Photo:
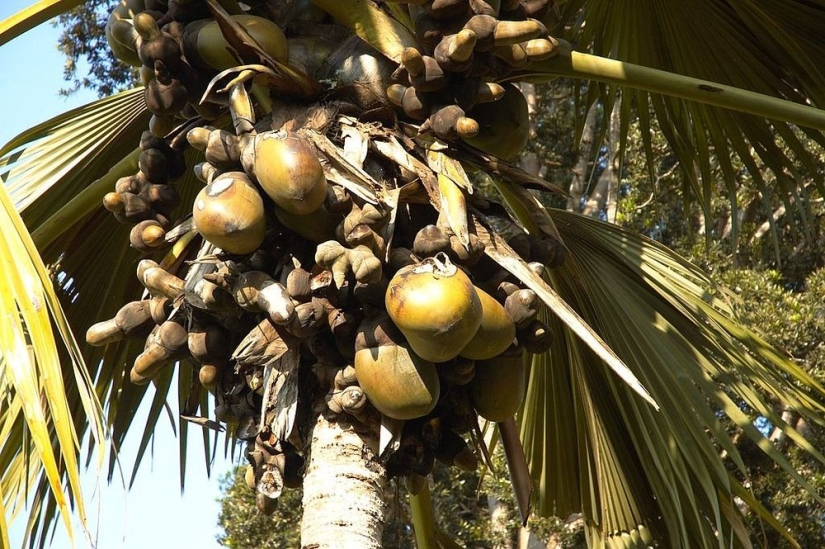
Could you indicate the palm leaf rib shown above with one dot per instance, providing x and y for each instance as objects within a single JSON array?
[{"x": 762, "y": 49}]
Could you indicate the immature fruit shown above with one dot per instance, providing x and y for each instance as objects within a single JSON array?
[
  {"x": 435, "y": 306},
  {"x": 498, "y": 387},
  {"x": 503, "y": 126},
  {"x": 155, "y": 45},
  {"x": 132, "y": 321},
  {"x": 229, "y": 213},
  {"x": 289, "y": 171},
  {"x": 400, "y": 384},
  {"x": 496, "y": 332},
  {"x": 122, "y": 38}
]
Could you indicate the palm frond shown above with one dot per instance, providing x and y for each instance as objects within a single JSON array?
[
  {"x": 34, "y": 381},
  {"x": 637, "y": 469},
  {"x": 57, "y": 172},
  {"x": 30, "y": 17},
  {"x": 88, "y": 254},
  {"x": 771, "y": 50}
]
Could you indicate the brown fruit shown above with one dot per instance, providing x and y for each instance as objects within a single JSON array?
[
  {"x": 155, "y": 45},
  {"x": 435, "y": 306},
  {"x": 503, "y": 126},
  {"x": 147, "y": 236},
  {"x": 132, "y": 321},
  {"x": 229, "y": 213}
]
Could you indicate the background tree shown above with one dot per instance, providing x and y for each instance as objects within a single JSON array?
[{"x": 90, "y": 62}]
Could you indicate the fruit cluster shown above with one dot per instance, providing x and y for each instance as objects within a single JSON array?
[
  {"x": 329, "y": 264},
  {"x": 147, "y": 199},
  {"x": 465, "y": 48}
]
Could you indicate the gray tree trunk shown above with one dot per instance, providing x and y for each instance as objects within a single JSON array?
[
  {"x": 344, "y": 487},
  {"x": 529, "y": 161},
  {"x": 605, "y": 194},
  {"x": 499, "y": 513},
  {"x": 582, "y": 169}
]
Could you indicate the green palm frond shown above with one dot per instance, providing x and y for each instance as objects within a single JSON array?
[
  {"x": 635, "y": 467},
  {"x": 770, "y": 49},
  {"x": 35, "y": 381},
  {"x": 87, "y": 250},
  {"x": 59, "y": 171}
]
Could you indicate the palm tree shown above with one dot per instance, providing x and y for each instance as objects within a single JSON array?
[{"x": 623, "y": 415}]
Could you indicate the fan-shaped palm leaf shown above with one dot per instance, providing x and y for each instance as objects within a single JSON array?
[
  {"x": 34, "y": 381},
  {"x": 87, "y": 250},
  {"x": 636, "y": 467},
  {"x": 773, "y": 50}
]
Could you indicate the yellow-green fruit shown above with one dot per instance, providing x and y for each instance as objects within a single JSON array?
[
  {"x": 122, "y": 38},
  {"x": 288, "y": 170},
  {"x": 436, "y": 307},
  {"x": 498, "y": 387},
  {"x": 229, "y": 213},
  {"x": 496, "y": 332},
  {"x": 318, "y": 226},
  {"x": 504, "y": 125},
  {"x": 213, "y": 49},
  {"x": 400, "y": 384}
]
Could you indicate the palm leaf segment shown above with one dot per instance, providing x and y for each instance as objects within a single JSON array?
[
  {"x": 676, "y": 330},
  {"x": 766, "y": 49},
  {"x": 631, "y": 482}
]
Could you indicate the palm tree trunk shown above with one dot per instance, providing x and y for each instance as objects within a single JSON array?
[{"x": 344, "y": 487}]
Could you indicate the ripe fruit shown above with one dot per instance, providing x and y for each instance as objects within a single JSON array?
[
  {"x": 229, "y": 213},
  {"x": 435, "y": 306}
]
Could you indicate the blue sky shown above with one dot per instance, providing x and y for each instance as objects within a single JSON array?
[{"x": 154, "y": 514}]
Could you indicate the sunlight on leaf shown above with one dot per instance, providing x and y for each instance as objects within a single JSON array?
[{"x": 31, "y": 364}]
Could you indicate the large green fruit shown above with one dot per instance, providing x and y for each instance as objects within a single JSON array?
[
  {"x": 436, "y": 307},
  {"x": 498, "y": 386},
  {"x": 205, "y": 45},
  {"x": 229, "y": 213},
  {"x": 496, "y": 332},
  {"x": 400, "y": 384},
  {"x": 504, "y": 125},
  {"x": 288, "y": 170}
]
